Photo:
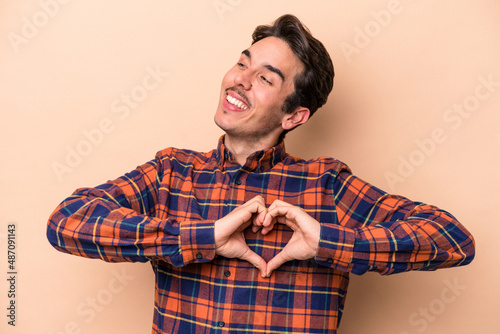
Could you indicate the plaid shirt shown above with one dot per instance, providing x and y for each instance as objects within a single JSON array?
[{"x": 164, "y": 212}]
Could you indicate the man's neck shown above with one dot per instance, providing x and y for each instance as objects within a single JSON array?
[{"x": 241, "y": 149}]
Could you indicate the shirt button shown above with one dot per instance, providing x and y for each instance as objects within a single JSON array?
[
  {"x": 199, "y": 256},
  {"x": 261, "y": 168},
  {"x": 221, "y": 324},
  {"x": 227, "y": 273},
  {"x": 238, "y": 181},
  {"x": 330, "y": 261}
]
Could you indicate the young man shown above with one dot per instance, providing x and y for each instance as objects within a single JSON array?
[{"x": 247, "y": 238}]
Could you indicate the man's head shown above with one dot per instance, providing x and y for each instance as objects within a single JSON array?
[
  {"x": 276, "y": 85},
  {"x": 314, "y": 84}
]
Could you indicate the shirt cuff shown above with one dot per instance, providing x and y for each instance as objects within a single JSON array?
[
  {"x": 336, "y": 247},
  {"x": 197, "y": 241}
]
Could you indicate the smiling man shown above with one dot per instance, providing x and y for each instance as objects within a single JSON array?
[
  {"x": 246, "y": 238},
  {"x": 253, "y": 92}
]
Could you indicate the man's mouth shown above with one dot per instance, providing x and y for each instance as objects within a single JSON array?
[
  {"x": 237, "y": 99},
  {"x": 236, "y": 102}
]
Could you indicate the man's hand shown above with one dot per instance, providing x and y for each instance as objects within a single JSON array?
[
  {"x": 304, "y": 243},
  {"x": 229, "y": 238}
]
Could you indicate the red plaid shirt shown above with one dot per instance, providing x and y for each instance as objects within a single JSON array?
[{"x": 164, "y": 212}]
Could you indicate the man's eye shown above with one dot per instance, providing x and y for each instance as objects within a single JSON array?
[
  {"x": 265, "y": 80},
  {"x": 241, "y": 65}
]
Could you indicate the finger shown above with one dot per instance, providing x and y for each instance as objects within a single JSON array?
[
  {"x": 240, "y": 218},
  {"x": 257, "y": 222},
  {"x": 276, "y": 262},
  {"x": 259, "y": 216},
  {"x": 274, "y": 215},
  {"x": 253, "y": 211},
  {"x": 277, "y": 210},
  {"x": 268, "y": 223},
  {"x": 259, "y": 200},
  {"x": 277, "y": 203},
  {"x": 257, "y": 261},
  {"x": 255, "y": 228}
]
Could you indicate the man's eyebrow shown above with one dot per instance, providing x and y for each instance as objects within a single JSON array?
[
  {"x": 269, "y": 67},
  {"x": 275, "y": 70}
]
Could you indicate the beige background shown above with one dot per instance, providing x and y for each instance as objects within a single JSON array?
[{"x": 404, "y": 69}]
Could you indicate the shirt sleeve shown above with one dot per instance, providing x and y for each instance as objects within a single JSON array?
[
  {"x": 117, "y": 222},
  {"x": 376, "y": 231}
]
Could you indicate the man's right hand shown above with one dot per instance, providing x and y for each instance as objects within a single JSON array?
[{"x": 229, "y": 232}]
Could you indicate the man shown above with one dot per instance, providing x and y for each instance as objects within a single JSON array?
[{"x": 246, "y": 238}]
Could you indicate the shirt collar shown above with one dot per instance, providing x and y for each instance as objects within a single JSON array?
[{"x": 259, "y": 161}]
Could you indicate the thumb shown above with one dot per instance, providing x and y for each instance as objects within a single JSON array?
[
  {"x": 276, "y": 262},
  {"x": 256, "y": 260}
]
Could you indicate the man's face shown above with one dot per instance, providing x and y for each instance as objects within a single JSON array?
[{"x": 254, "y": 90}]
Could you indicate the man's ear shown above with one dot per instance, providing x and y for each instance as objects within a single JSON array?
[{"x": 299, "y": 116}]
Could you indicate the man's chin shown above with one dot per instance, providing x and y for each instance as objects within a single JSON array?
[{"x": 221, "y": 124}]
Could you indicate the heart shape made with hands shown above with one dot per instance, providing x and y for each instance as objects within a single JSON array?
[{"x": 230, "y": 241}]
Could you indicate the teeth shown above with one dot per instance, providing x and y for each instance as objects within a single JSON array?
[{"x": 236, "y": 102}]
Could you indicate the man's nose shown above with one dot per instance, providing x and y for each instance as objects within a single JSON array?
[{"x": 244, "y": 79}]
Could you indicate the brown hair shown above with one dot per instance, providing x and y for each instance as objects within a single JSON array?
[{"x": 315, "y": 83}]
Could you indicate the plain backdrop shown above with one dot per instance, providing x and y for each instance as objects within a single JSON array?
[{"x": 91, "y": 89}]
